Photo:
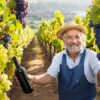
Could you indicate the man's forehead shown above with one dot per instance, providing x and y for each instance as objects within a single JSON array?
[{"x": 73, "y": 33}]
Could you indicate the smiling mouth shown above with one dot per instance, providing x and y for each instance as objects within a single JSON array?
[{"x": 74, "y": 46}]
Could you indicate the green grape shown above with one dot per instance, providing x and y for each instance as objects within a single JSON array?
[
  {"x": 4, "y": 82},
  {"x": 11, "y": 4},
  {"x": 10, "y": 52},
  {"x": 4, "y": 86},
  {"x": 3, "y": 96},
  {"x": 3, "y": 58},
  {"x": 19, "y": 38}
]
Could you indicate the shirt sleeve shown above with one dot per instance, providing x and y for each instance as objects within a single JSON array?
[
  {"x": 94, "y": 63},
  {"x": 54, "y": 68}
]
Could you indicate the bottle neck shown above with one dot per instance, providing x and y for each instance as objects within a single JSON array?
[{"x": 16, "y": 63}]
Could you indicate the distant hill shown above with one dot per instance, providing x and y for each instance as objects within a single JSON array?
[{"x": 45, "y": 10}]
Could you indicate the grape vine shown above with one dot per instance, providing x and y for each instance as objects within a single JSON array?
[{"x": 13, "y": 39}]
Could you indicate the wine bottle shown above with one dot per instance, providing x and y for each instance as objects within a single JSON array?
[{"x": 22, "y": 77}]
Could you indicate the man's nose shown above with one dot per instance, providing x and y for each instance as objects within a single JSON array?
[{"x": 74, "y": 40}]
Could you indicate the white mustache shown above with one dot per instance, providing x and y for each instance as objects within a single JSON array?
[{"x": 74, "y": 48}]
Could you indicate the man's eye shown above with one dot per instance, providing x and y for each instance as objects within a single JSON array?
[
  {"x": 78, "y": 37},
  {"x": 68, "y": 37}
]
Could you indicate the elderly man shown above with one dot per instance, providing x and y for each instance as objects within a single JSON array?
[{"x": 76, "y": 68}]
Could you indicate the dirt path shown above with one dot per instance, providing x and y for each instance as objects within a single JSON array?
[{"x": 35, "y": 61}]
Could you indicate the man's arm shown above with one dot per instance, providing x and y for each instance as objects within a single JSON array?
[
  {"x": 98, "y": 75},
  {"x": 42, "y": 79}
]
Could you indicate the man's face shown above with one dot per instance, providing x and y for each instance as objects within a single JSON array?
[{"x": 72, "y": 40}]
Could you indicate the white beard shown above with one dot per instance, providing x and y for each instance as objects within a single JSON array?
[{"x": 73, "y": 48}]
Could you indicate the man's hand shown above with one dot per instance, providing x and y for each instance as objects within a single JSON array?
[
  {"x": 98, "y": 75},
  {"x": 30, "y": 77}
]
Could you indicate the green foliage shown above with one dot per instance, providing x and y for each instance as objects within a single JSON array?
[
  {"x": 90, "y": 43},
  {"x": 95, "y": 12},
  {"x": 96, "y": 3},
  {"x": 11, "y": 4},
  {"x": 20, "y": 38},
  {"x": 49, "y": 29}
]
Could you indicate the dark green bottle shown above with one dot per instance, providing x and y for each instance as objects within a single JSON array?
[{"x": 22, "y": 77}]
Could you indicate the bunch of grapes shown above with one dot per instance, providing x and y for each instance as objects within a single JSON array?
[
  {"x": 3, "y": 58},
  {"x": 98, "y": 56},
  {"x": 6, "y": 40},
  {"x": 22, "y": 11},
  {"x": 91, "y": 23},
  {"x": 97, "y": 34},
  {"x": 5, "y": 86}
]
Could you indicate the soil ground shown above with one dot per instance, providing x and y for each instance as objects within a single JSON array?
[{"x": 35, "y": 62}]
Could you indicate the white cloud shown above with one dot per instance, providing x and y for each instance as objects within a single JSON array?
[{"x": 65, "y": 1}]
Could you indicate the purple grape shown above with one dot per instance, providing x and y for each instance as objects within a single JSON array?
[
  {"x": 98, "y": 56},
  {"x": 21, "y": 11},
  {"x": 97, "y": 34},
  {"x": 1, "y": 18},
  {"x": 6, "y": 40},
  {"x": 90, "y": 23}
]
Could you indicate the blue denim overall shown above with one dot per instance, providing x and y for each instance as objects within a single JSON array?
[{"x": 72, "y": 83}]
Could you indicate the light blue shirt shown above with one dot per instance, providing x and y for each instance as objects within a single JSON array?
[{"x": 91, "y": 64}]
